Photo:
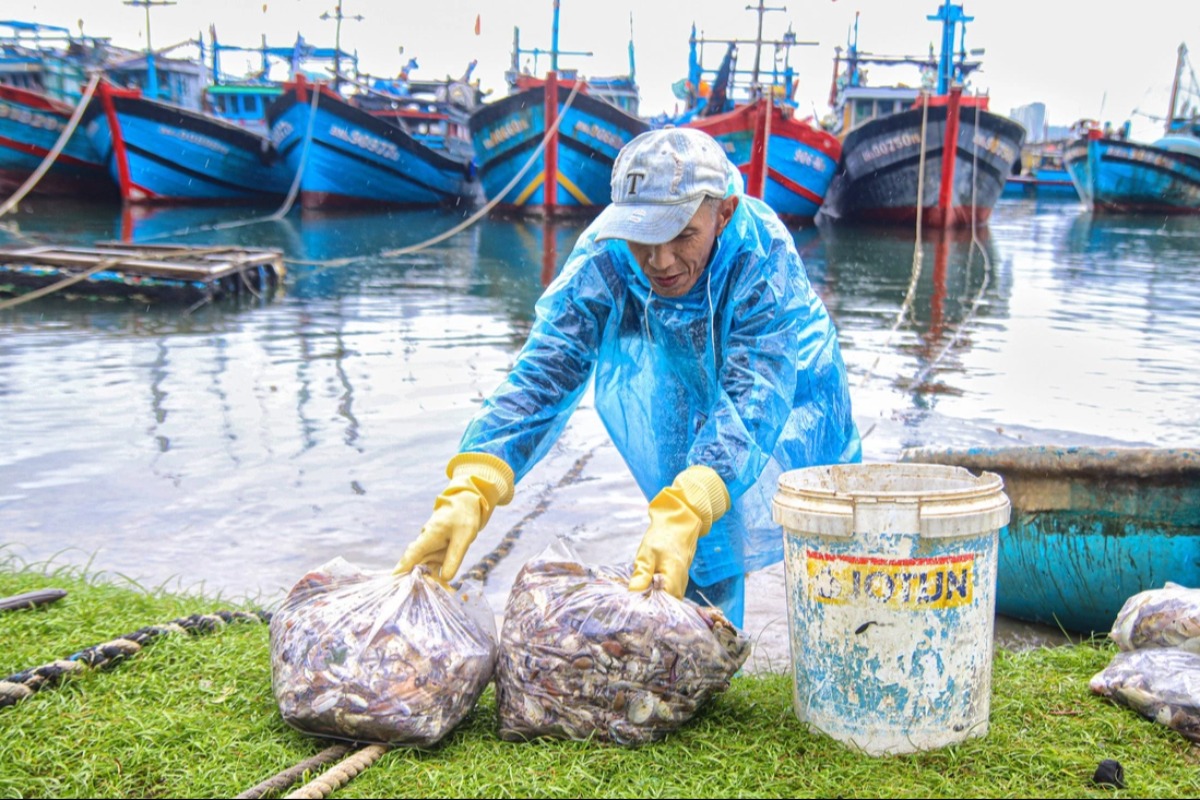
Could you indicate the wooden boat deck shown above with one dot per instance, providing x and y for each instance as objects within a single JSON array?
[{"x": 159, "y": 272}]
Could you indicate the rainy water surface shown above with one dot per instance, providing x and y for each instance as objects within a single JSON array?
[{"x": 233, "y": 446}]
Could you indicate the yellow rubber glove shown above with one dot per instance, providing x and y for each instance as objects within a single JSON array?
[
  {"x": 679, "y": 515},
  {"x": 478, "y": 483}
]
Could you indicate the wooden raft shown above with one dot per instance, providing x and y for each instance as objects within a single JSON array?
[{"x": 169, "y": 272}]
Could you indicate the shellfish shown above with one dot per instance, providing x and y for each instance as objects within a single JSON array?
[
  {"x": 583, "y": 657},
  {"x": 379, "y": 658}
]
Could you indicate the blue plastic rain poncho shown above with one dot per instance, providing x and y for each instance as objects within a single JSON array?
[{"x": 743, "y": 374}]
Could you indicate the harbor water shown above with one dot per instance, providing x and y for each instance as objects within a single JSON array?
[{"x": 233, "y": 446}]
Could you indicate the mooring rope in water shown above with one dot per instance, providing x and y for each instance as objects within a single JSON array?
[
  {"x": 911, "y": 294},
  {"x": 283, "y": 210},
  {"x": 107, "y": 263},
  {"x": 920, "y": 377},
  {"x": 478, "y": 215},
  {"x": 280, "y": 212},
  {"x": 55, "y": 151},
  {"x": 340, "y": 774},
  {"x": 287, "y": 777},
  {"x": 63, "y": 284},
  {"x": 341, "y": 262},
  {"x": 19, "y": 685}
]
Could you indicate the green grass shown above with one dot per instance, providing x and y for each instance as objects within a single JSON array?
[{"x": 193, "y": 716}]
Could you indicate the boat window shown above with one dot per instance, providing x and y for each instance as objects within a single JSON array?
[
  {"x": 863, "y": 110},
  {"x": 885, "y": 107}
]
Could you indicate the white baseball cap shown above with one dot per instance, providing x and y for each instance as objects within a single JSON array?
[{"x": 658, "y": 181}]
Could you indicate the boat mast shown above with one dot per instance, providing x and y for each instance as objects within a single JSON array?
[
  {"x": 1175, "y": 85},
  {"x": 151, "y": 71},
  {"x": 949, "y": 15},
  {"x": 761, "y": 9},
  {"x": 337, "y": 41}
]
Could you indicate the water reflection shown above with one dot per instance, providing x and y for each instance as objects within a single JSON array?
[
  {"x": 234, "y": 443},
  {"x": 867, "y": 281}
]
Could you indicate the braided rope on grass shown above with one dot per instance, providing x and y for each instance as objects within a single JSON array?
[
  {"x": 19, "y": 685},
  {"x": 340, "y": 774}
]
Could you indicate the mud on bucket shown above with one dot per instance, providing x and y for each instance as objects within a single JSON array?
[{"x": 891, "y": 577}]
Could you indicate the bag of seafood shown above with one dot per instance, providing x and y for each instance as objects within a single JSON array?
[
  {"x": 582, "y": 657},
  {"x": 375, "y": 657},
  {"x": 1166, "y": 617},
  {"x": 1161, "y": 684}
]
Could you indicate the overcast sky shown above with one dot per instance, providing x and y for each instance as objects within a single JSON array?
[{"x": 1079, "y": 57}]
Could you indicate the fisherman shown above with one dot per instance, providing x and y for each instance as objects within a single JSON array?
[{"x": 716, "y": 369}]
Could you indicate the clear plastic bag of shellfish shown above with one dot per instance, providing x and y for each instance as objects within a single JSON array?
[
  {"x": 582, "y": 657},
  {"x": 1166, "y": 617},
  {"x": 375, "y": 657},
  {"x": 1161, "y": 684}
]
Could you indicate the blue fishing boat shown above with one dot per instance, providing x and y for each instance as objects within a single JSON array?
[
  {"x": 43, "y": 70},
  {"x": 30, "y": 125},
  {"x": 572, "y": 172},
  {"x": 163, "y": 153},
  {"x": 395, "y": 150},
  {"x": 788, "y": 161},
  {"x": 1090, "y": 527},
  {"x": 1041, "y": 173},
  {"x": 1114, "y": 175},
  {"x": 244, "y": 99}
]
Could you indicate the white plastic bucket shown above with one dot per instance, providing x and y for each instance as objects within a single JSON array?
[{"x": 891, "y": 576}]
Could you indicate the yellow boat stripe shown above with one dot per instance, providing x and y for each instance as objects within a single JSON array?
[
  {"x": 566, "y": 183},
  {"x": 563, "y": 181},
  {"x": 530, "y": 189}
]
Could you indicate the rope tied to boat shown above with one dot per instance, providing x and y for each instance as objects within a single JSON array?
[
  {"x": 326, "y": 264},
  {"x": 469, "y": 221},
  {"x": 920, "y": 377},
  {"x": 73, "y": 123},
  {"x": 104, "y": 264},
  {"x": 911, "y": 294},
  {"x": 20, "y": 685}
]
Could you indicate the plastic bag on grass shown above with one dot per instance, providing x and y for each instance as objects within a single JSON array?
[
  {"x": 583, "y": 657},
  {"x": 1166, "y": 617},
  {"x": 375, "y": 657},
  {"x": 1161, "y": 684}
]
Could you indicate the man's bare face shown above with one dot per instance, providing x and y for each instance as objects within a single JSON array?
[{"x": 674, "y": 267}]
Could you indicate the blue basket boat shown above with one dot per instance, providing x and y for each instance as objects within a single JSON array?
[{"x": 1090, "y": 527}]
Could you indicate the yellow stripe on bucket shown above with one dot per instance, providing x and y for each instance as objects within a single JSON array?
[{"x": 912, "y": 584}]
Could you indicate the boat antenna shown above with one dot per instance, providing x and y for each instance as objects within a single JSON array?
[
  {"x": 1181, "y": 58},
  {"x": 632, "y": 66},
  {"x": 151, "y": 71},
  {"x": 761, "y": 9},
  {"x": 337, "y": 41},
  {"x": 950, "y": 15}
]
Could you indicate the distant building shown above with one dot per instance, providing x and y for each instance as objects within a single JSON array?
[
  {"x": 1033, "y": 117},
  {"x": 1056, "y": 133}
]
